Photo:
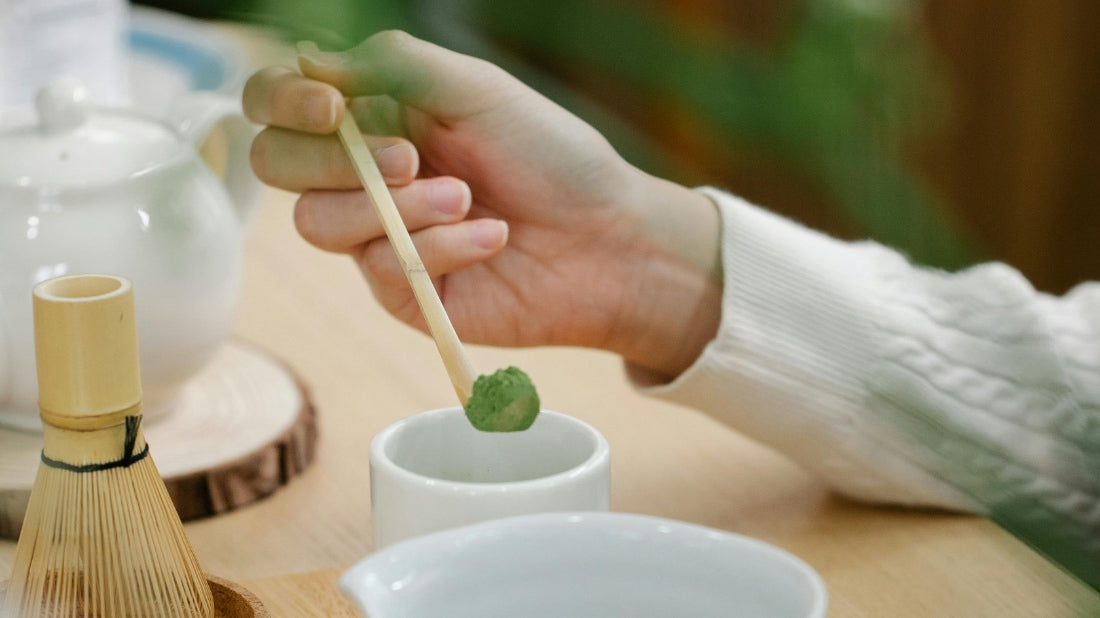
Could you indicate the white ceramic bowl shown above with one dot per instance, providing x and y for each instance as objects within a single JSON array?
[
  {"x": 433, "y": 471},
  {"x": 580, "y": 565}
]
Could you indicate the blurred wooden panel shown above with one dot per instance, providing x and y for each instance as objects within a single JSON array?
[
  {"x": 1017, "y": 158},
  {"x": 1021, "y": 155}
]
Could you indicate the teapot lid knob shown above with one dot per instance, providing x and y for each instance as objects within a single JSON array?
[{"x": 62, "y": 105}]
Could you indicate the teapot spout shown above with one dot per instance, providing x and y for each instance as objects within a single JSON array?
[{"x": 217, "y": 128}]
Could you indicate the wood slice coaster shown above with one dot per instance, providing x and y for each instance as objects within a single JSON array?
[
  {"x": 231, "y": 600},
  {"x": 241, "y": 429}
]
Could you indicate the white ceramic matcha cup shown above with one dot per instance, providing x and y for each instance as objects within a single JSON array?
[{"x": 433, "y": 471}]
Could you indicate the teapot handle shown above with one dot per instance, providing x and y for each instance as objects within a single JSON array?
[
  {"x": 5, "y": 369},
  {"x": 196, "y": 116}
]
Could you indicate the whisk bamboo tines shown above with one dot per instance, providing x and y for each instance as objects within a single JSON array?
[{"x": 101, "y": 536}]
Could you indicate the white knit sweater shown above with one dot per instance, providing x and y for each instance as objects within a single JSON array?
[{"x": 899, "y": 384}]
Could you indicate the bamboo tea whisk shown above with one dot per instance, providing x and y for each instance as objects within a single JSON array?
[{"x": 101, "y": 536}]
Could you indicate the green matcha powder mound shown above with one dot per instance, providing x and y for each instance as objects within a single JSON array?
[{"x": 503, "y": 401}]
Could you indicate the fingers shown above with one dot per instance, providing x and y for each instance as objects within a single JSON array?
[
  {"x": 298, "y": 161},
  {"x": 438, "y": 81},
  {"x": 280, "y": 96},
  {"x": 380, "y": 115},
  {"x": 433, "y": 210},
  {"x": 444, "y": 249},
  {"x": 388, "y": 70},
  {"x": 344, "y": 221}
]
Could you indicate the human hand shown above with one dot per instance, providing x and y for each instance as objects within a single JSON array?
[{"x": 534, "y": 229}]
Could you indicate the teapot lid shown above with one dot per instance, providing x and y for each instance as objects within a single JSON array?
[{"x": 75, "y": 144}]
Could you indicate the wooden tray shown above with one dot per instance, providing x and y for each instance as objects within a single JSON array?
[
  {"x": 240, "y": 430},
  {"x": 231, "y": 600}
]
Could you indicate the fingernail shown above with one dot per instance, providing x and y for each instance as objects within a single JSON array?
[
  {"x": 449, "y": 198},
  {"x": 322, "y": 110},
  {"x": 394, "y": 161},
  {"x": 489, "y": 233},
  {"x": 325, "y": 59}
]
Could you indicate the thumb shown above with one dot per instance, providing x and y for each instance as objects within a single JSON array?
[{"x": 420, "y": 74}]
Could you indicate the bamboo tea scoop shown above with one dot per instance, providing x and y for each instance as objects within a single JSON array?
[{"x": 503, "y": 401}]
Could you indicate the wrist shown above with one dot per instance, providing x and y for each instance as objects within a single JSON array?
[{"x": 676, "y": 306}]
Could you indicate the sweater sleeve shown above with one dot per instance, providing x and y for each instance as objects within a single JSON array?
[{"x": 898, "y": 384}]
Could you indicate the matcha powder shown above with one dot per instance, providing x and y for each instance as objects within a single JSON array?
[{"x": 503, "y": 401}]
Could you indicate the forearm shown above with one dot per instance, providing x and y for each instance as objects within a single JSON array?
[
  {"x": 895, "y": 383},
  {"x": 786, "y": 366}
]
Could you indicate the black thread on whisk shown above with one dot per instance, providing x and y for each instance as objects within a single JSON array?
[
  {"x": 132, "y": 424},
  {"x": 128, "y": 459}
]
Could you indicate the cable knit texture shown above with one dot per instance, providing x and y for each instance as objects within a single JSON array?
[{"x": 897, "y": 384}]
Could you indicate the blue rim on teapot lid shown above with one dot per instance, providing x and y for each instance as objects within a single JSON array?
[{"x": 71, "y": 143}]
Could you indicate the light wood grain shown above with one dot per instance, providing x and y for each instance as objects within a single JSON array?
[
  {"x": 305, "y": 595},
  {"x": 365, "y": 370}
]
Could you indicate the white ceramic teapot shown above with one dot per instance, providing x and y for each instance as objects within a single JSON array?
[{"x": 92, "y": 190}]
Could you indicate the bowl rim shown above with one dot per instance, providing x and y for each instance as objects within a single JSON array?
[
  {"x": 369, "y": 603},
  {"x": 593, "y": 464}
]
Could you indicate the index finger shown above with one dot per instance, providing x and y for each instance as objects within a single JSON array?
[
  {"x": 436, "y": 80},
  {"x": 282, "y": 97}
]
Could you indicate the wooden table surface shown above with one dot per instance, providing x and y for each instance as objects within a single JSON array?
[{"x": 366, "y": 370}]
